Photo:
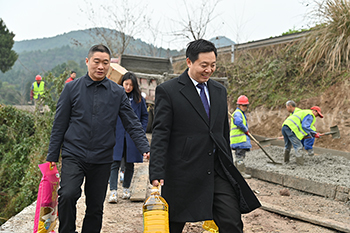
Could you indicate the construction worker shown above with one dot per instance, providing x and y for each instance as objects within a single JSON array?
[
  {"x": 296, "y": 127},
  {"x": 37, "y": 90},
  {"x": 239, "y": 139},
  {"x": 73, "y": 74},
  {"x": 308, "y": 143}
]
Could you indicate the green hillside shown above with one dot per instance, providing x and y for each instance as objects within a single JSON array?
[
  {"x": 83, "y": 38},
  {"x": 62, "y": 52}
]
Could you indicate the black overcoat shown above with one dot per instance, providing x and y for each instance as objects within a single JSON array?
[{"x": 182, "y": 146}]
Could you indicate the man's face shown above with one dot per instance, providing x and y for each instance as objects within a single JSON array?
[
  {"x": 203, "y": 67},
  {"x": 290, "y": 109},
  {"x": 243, "y": 107},
  {"x": 73, "y": 75},
  {"x": 98, "y": 65},
  {"x": 315, "y": 113}
]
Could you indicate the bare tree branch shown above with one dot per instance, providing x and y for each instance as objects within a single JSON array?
[
  {"x": 195, "y": 25},
  {"x": 121, "y": 23}
]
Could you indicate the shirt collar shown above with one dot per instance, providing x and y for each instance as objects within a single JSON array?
[
  {"x": 90, "y": 82},
  {"x": 195, "y": 82}
]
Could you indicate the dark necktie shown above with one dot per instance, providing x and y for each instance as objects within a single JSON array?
[{"x": 204, "y": 98}]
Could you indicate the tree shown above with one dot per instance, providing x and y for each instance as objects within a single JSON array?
[
  {"x": 154, "y": 34},
  {"x": 8, "y": 57},
  {"x": 195, "y": 25},
  {"x": 121, "y": 21}
]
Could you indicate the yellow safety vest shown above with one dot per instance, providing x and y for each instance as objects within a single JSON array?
[
  {"x": 236, "y": 134},
  {"x": 294, "y": 122},
  {"x": 297, "y": 110},
  {"x": 38, "y": 90}
]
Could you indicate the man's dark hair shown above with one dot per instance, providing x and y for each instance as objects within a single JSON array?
[
  {"x": 199, "y": 46},
  {"x": 99, "y": 48},
  {"x": 72, "y": 72},
  {"x": 291, "y": 103}
]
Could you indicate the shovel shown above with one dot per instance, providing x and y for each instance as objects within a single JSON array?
[
  {"x": 256, "y": 141},
  {"x": 266, "y": 141},
  {"x": 334, "y": 132}
]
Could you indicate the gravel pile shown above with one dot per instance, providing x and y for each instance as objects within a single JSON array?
[{"x": 324, "y": 168}]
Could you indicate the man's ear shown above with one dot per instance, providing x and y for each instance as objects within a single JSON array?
[{"x": 188, "y": 62}]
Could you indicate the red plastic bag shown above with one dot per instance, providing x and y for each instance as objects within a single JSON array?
[{"x": 46, "y": 206}]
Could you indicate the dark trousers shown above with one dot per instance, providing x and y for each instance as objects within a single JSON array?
[
  {"x": 96, "y": 177},
  {"x": 226, "y": 213},
  {"x": 240, "y": 154},
  {"x": 128, "y": 174},
  {"x": 127, "y": 168}
]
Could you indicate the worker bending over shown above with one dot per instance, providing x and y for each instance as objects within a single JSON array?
[
  {"x": 296, "y": 127},
  {"x": 308, "y": 142},
  {"x": 239, "y": 139}
]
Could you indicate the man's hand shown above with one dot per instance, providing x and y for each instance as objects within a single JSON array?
[
  {"x": 146, "y": 155},
  {"x": 157, "y": 182},
  {"x": 52, "y": 164},
  {"x": 317, "y": 135},
  {"x": 247, "y": 133}
]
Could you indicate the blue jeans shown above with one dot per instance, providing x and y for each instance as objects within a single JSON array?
[
  {"x": 308, "y": 143},
  {"x": 128, "y": 174},
  {"x": 290, "y": 139}
]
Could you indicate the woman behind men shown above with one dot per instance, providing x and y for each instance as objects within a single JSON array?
[{"x": 124, "y": 146}]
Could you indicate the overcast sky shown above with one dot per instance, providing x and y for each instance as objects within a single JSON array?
[{"x": 239, "y": 20}]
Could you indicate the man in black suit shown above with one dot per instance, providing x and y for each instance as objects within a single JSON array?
[{"x": 190, "y": 151}]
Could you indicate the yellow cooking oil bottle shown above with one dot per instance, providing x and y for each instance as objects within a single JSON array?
[
  {"x": 155, "y": 213},
  {"x": 210, "y": 226}
]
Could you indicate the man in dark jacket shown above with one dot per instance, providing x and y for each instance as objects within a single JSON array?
[
  {"x": 84, "y": 127},
  {"x": 190, "y": 152}
]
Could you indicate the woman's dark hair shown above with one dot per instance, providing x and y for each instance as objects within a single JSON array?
[{"x": 136, "y": 93}]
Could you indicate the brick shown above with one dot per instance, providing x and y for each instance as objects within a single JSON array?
[
  {"x": 343, "y": 189},
  {"x": 342, "y": 194},
  {"x": 344, "y": 197}
]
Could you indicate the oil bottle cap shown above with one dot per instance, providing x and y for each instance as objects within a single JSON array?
[{"x": 155, "y": 189}]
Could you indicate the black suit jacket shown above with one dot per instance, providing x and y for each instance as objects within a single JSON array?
[{"x": 182, "y": 148}]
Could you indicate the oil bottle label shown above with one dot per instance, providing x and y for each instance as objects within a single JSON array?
[{"x": 156, "y": 221}]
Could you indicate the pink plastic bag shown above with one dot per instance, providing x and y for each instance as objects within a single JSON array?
[{"x": 46, "y": 206}]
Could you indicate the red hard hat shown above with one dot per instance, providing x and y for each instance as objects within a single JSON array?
[
  {"x": 242, "y": 100},
  {"x": 38, "y": 77},
  {"x": 318, "y": 109}
]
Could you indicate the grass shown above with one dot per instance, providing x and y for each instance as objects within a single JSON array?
[
  {"x": 272, "y": 75},
  {"x": 329, "y": 41}
]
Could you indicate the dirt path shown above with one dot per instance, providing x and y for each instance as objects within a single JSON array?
[{"x": 126, "y": 216}]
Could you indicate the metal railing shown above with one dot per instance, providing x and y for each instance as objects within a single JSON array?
[{"x": 254, "y": 44}]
